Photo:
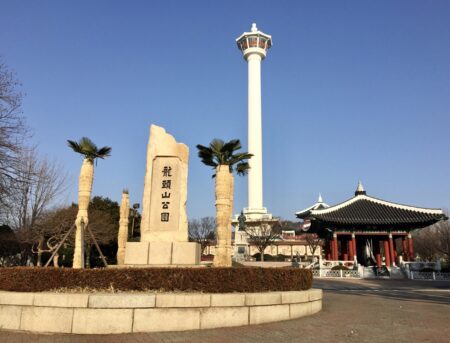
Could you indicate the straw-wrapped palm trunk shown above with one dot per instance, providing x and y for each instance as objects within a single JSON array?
[
  {"x": 221, "y": 157},
  {"x": 123, "y": 228},
  {"x": 90, "y": 152},
  {"x": 224, "y": 208}
]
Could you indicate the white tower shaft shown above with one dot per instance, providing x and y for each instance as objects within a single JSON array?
[
  {"x": 255, "y": 178},
  {"x": 254, "y": 46}
]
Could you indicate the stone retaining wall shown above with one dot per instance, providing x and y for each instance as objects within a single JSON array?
[{"x": 107, "y": 313}]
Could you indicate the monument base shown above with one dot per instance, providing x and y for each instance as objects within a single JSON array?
[
  {"x": 254, "y": 218},
  {"x": 162, "y": 253}
]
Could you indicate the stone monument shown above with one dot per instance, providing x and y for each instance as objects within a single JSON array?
[{"x": 164, "y": 226}]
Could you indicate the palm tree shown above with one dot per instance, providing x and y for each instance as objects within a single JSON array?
[
  {"x": 90, "y": 151},
  {"x": 222, "y": 157}
]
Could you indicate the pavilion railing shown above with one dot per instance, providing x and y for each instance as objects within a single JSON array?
[
  {"x": 436, "y": 276},
  {"x": 328, "y": 273},
  {"x": 327, "y": 264}
]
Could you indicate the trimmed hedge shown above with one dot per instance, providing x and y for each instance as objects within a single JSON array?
[
  {"x": 339, "y": 268},
  {"x": 210, "y": 280},
  {"x": 271, "y": 258}
]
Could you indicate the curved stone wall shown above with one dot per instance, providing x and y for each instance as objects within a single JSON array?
[{"x": 107, "y": 313}]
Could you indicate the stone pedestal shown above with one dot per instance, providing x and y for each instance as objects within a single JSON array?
[
  {"x": 254, "y": 218},
  {"x": 162, "y": 253},
  {"x": 164, "y": 225}
]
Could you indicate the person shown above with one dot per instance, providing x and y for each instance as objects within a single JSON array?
[{"x": 295, "y": 263}]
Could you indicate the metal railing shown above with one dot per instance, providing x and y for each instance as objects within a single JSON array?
[
  {"x": 436, "y": 276},
  {"x": 328, "y": 273},
  {"x": 326, "y": 264}
]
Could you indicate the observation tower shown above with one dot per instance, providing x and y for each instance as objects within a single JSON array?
[
  {"x": 255, "y": 218},
  {"x": 254, "y": 46}
]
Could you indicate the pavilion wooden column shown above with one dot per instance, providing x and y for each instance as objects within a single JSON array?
[
  {"x": 335, "y": 253},
  {"x": 377, "y": 253},
  {"x": 344, "y": 248},
  {"x": 410, "y": 248},
  {"x": 351, "y": 251},
  {"x": 387, "y": 258},
  {"x": 355, "y": 252},
  {"x": 405, "y": 249},
  {"x": 391, "y": 249}
]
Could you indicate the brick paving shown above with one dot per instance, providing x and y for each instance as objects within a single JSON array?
[{"x": 354, "y": 311}]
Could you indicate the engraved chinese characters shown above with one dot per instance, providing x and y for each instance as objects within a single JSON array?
[
  {"x": 165, "y": 198},
  {"x": 167, "y": 172}
]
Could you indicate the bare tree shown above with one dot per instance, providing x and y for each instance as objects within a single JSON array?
[
  {"x": 263, "y": 235},
  {"x": 433, "y": 242},
  {"x": 313, "y": 242},
  {"x": 426, "y": 243},
  {"x": 202, "y": 231},
  {"x": 12, "y": 134},
  {"x": 38, "y": 187},
  {"x": 51, "y": 228},
  {"x": 443, "y": 236},
  {"x": 55, "y": 224}
]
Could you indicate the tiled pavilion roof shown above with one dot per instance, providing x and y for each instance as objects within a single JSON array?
[
  {"x": 364, "y": 210},
  {"x": 320, "y": 204}
]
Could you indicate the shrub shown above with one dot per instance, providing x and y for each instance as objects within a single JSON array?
[
  {"x": 211, "y": 280},
  {"x": 207, "y": 257},
  {"x": 339, "y": 268},
  {"x": 267, "y": 257},
  {"x": 257, "y": 257}
]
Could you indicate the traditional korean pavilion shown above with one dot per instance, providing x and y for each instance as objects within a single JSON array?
[
  {"x": 304, "y": 214},
  {"x": 368, "y": 230}
]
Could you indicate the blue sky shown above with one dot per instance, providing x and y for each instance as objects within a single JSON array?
[{"x": 351, "y": 90}]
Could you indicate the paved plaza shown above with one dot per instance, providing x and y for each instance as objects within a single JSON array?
[{"x": 353, "y": 311}]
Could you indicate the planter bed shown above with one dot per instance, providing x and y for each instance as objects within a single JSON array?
[
  {"x": 209, "y": 280},
  {"x": 112, "y": 313}
]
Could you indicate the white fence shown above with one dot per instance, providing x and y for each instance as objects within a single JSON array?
[
  {"x": 325, "y": 264},
  {"x": 437, "y": 276},
  {"x": 328, "y": 273}
]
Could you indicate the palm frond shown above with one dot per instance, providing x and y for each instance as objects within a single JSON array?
[
  {"x": 221, "y": 153},
  {"x": 216, "y": 146},
  {"x": 104, "y": 152},
  {"x": 232, "y": 146},
  {"x": 74, "y": 146},
  {"x": 206, "y": 155},
  {"x": 242, "y": 168},
  {"x": 88, "y": 148},
  {"x": 240, "y": 157}
]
